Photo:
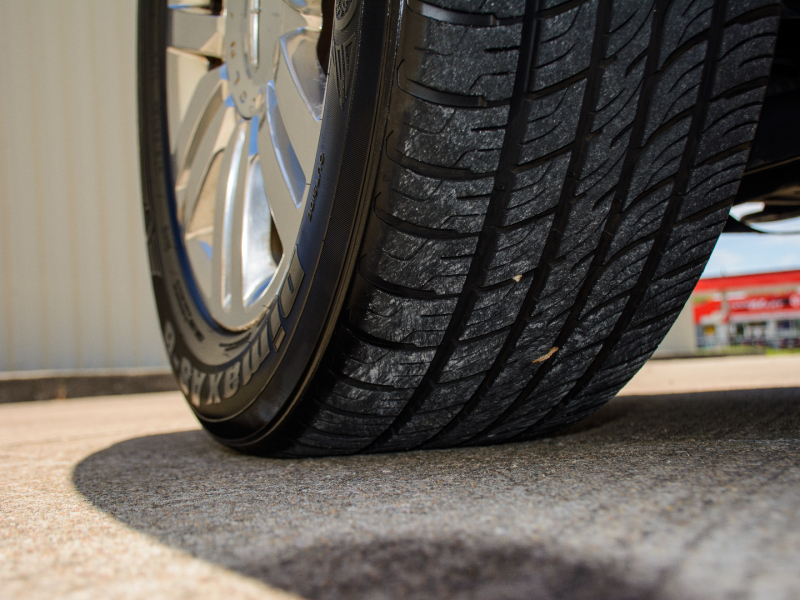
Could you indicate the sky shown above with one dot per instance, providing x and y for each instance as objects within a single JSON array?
[{"x": 740, "y": 253}]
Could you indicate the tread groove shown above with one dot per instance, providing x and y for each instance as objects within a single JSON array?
[
  {"x": 501, "y": 190},
  {"x": 433, "y": 171},
  {"x": 670, "y": 217},
  {"x": 577, "y": 150},
  {"x": 457, "y": 17},
  {"x": 424, "y": 92},
  {"x": 398, "y": 290}
]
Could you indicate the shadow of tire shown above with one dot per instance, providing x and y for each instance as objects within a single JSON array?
[
  {"x": 190, "y": 493},
  {"x": 530, "y": 520}
]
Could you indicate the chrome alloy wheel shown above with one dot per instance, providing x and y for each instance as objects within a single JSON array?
[{"x": 245, "y": 96}]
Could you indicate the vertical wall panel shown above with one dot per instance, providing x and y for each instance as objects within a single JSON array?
[
  {"x": 59, "y": 238},
  {"x": 6, "y": 321},
  {"x": 75, "y": 284},
  {"x": 22, "y": 230},
  {"x": 90, "y": 207}
]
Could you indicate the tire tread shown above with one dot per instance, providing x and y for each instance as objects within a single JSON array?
[{"x": 543, "y": 209}]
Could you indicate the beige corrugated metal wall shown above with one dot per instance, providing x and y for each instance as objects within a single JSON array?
[
  {"x": 73, "y": 271},
  {"x": 74, "y": 286}
]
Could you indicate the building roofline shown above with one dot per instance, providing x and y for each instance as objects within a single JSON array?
[{"x": 753, "y": 280}]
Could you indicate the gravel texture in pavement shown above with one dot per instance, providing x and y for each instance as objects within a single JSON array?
[{"x": 667, "y": 492}]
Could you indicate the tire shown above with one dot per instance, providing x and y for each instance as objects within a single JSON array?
[{"x": 514, "y": 202}]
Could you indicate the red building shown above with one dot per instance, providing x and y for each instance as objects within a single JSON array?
[{"x": 762, "y": 309}]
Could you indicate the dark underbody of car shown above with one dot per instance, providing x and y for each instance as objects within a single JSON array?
[{"x": 772, "y": 175}]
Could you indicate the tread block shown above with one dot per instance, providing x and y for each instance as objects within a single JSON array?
[
  {"x": 300, "y": 450},
  {"x": 610, "y": 380},
  {"x": 471, "y": 357},
  {"x": 746, "y": 53},
  {"x": 641, "y": 219},
  {"x": 398, "y": 319},
  {"x": 621, "y": 83},
  {"x": 567, "y": 413},
  {"x": 344, "y": 396},
  {"x": 601, "y": 171},
  {"x": 730, "y": 122},
  {"x": 685, "y": 19},
  {"x": 561, "y": 289},
  {"x": 371, "y": 364},
  {"x": 451, "y": 393},
  {"x": 536, "y": 190},
  {"x": 710, "y": 184},
  {"x": 406, "y": 439},
  {"x": 456, "y": 59},
  {"x": 528, "y": 413},
  {"x": 428, "y": 421},
  {"x": 516, "y": 251},
  {"x": 640, "y": 342},
  {"x": 677, "y": 88},
  {"x": 692, "y": 241},
  {"x": 628, "y": 21},
  {"x": 611, "y": 119},
  {"x": 332, "y": 443},
  {"x": 659, "y": 160},
  {"x": 634, "y": 348},
  {"x": 416, "y": 262},
  {"x": 551, "y": 121},
  {"x": 618, "y": 277},
  {"x": 568, "y": 365},
  {"x": 582, "y": 230},
  {"x": 667, "y": 294},
  {"x": 459, "y": 206},
  {"x": 495, "y": 308},
  {"x": 498, "y": 8},
  {"x": 595, "y": 326},
  {"x": 739, "y": 9},
  {"x": 563, "y": 51},
  {"x": 512, "y": 379},
  {"x": 332, "y": 422},
  {"x": 464, "y": 138},
  {"x": 519, "y": 369}
]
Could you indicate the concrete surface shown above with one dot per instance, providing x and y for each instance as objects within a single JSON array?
[
  {"x": 658, "y": 495},
  {"x": 716, "y": 374},
  {"x": 24, "y": 386}
]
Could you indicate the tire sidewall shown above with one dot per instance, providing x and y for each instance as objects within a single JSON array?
[{"x": 241, "y": 384}]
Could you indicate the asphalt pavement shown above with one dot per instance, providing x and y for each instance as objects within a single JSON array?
[{"x": 687, "y": 485}]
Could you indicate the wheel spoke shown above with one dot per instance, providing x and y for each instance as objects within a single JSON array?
[
  {"x": 199, "y": 235},
  {"x": 261, "y": 249},
  {"x": 231, "y": 217},
  {"x": 290, "y": 167},
  {"x": 205, "y": 102},
  {"x": 280, "y": 167},
  {"x": 223, "y": 218},
  {"x": 191, "y": 180},
  {"x": 299, "y": 53},
  {"x": 299, "y": 98},
  {"x": 195, "y": 30}
]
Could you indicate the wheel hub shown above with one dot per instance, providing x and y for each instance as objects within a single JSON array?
[{"x": 244, "y": 94}]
